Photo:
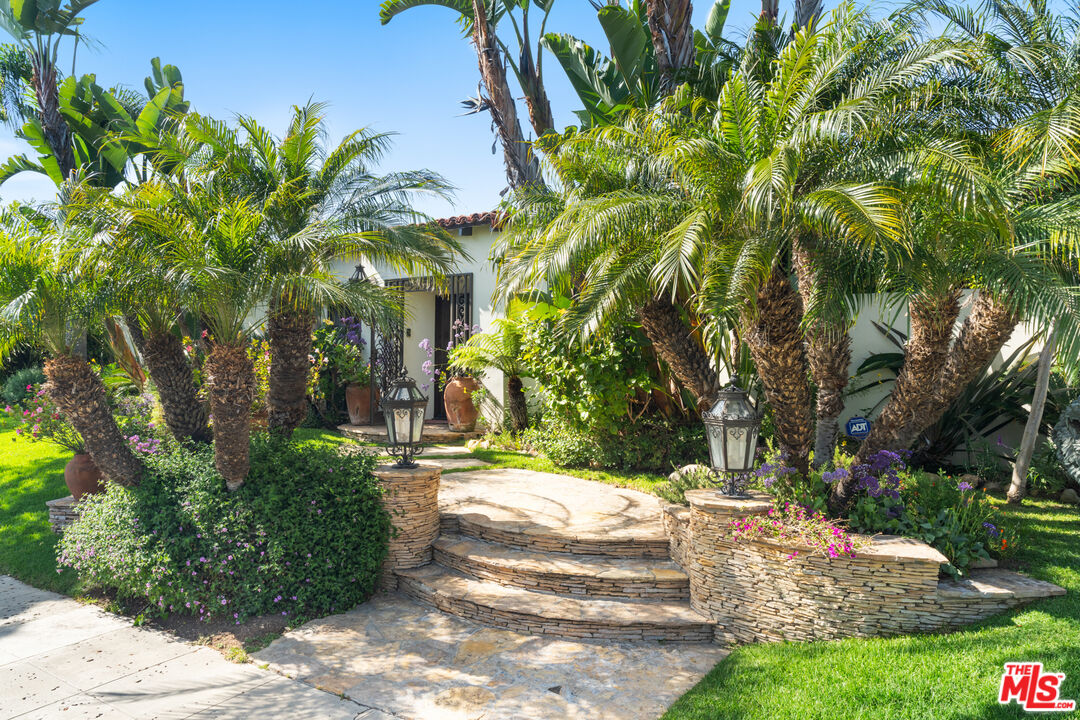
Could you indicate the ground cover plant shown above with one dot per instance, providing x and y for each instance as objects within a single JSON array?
[{"x": 305, "y": 536}]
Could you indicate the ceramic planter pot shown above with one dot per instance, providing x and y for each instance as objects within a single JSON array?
[
  {"x": 461, "y": 413},
  {"x": 358, "y": 400},
  {"x": 82, "y": 476}
]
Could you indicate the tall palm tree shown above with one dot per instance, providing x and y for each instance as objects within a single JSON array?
[
  {"x": 39, "y": 28},
  {"x": 52, "y": 291},
  {"x": 481, "y": 19},
  {"x": 321, "y": 205}
]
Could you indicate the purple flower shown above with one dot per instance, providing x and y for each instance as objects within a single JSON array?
[{"x": 963, "y": 486}]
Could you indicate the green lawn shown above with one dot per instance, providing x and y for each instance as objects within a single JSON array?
[
  {"x": 926, "y": 677},
  {"x": 30, "y": 474}
]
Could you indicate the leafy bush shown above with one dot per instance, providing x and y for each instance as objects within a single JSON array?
[
  {"x": 674, "y": 490},
  {"x": 950, "y": 516},
  {"x": 304, "y": 536},
  {"x": 19, "y": 385},
  {"x": 649, "y": 444},
  {"x": 40, "y": 420},
  {"x": 1046, "y": 476}
]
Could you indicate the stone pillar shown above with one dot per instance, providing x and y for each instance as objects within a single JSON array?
[
  {"x": 710, "y": 564},
  {"x": 412, "y": 499},
  {"x": 62, "y": 512}
]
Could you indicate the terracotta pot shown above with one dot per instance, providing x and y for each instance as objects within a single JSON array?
[
  {"x": 457, "y": 398},
  {"x": 358, "y": 400},
  {"x": 82, "y": 476}
]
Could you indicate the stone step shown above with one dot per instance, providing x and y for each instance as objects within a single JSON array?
[
  {"x": 543, "y": 538},
  {"x": 563, "y": 573},
  {"x": 520, "y": 610},
  {"x": 996, "y": 585}
]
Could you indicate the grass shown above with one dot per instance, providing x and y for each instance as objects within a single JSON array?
[
  {"x": 30, "y": 474},
  {"x": 942, "y": 676}
]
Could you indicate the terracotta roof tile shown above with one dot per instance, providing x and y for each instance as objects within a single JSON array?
[{"x": 459, "y": 221}]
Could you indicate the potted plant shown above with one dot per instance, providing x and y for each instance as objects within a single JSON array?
[
  {"x": 353, "y": 370},
  {"x": 40, "y": 420},
  {"x": 460, "y": 390}
]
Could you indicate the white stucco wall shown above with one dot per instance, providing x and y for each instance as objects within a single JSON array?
[{"x": 420, "y": 310}]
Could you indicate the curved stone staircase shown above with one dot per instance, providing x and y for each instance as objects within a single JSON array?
[{"x": 595, "y": 567}]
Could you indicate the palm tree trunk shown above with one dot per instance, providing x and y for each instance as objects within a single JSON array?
[
  {"x": 291, "y": 343},
  {"x": 53, "y": 126},
  {"x": 672, "y": 38},
  {"x": 828, "y": 349},
  {"x": 1018, "y": 487},
  {"x": 673, "y": 342},
  {"x": 776, "y": 341},
  {"x": 913, "y": 395},
  {"x": 80, "y": 395},
  {"x": 185, "y": 413},
  {"x": 522, "y": 167},
  {"x": 981, "y": 337},
  {"x": 515, "y": 401},
  {"x": 230, "y": 378}
]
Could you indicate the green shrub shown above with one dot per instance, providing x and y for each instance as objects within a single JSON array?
[
  {"x": 304, "y": 536},
  {"x": 1046, "y": 476},
  {"x": 650, "y": 444},
  {"x": 674, "y": 490},
  {"x": 17, "y": 386}
]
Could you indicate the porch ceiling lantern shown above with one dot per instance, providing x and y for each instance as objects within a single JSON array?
[
  {"x": 731, "y": 429},
  {"x": 404, "y": 407}
]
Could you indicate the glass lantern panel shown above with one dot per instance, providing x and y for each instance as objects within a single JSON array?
[
  {"x": 716, "y": 446},
  {"x": 417, "y": 423},
  {"x": 737, "y": 440},
  {"x": 752, "y": 449},
  {"x": 401, "y": 426}
]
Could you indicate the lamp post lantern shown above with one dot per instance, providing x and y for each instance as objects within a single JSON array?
[
  {"x": 404, "y": 407},
  {"x": 731, "y": 429}
]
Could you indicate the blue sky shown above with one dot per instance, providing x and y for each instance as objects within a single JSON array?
[{"x": 260, "y": 58}]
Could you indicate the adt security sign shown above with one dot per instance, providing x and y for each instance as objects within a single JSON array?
[{"x": 858, "y": 428}]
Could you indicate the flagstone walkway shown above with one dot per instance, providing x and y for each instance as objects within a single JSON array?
[{"x": 62, "y": 659}]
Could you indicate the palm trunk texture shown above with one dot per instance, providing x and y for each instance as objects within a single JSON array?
[
  {"x": 522, "y": 168},
  {"x": 912, "y": 397},
  {"x": 53, "y": 126},
  {"x": 672, "y": 38},
  {"x": 828, "y": 349},
  {"x": 674, "y": 343},
  {"x": 80, "y": 395},
  {"x": 291, "y": 342},
  {"x": 515, "y": 401},
  {"x": 776, "y": 341},
  {"x": 185, "y": 413},
  {"x": 230, "y": 378}
]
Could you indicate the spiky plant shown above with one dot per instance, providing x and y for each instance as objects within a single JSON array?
[{"x": 498, "y": 348}]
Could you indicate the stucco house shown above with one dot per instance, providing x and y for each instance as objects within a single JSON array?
[{"x": 463, "y": 304}]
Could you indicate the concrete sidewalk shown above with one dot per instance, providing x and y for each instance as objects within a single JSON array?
[{"x": 61, "y": 659}]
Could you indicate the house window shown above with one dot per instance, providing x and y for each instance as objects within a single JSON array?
[{"x": 466, "y": 231}]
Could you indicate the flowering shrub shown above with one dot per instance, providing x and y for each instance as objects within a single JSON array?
[
  {"x": 304, "y": 536},
  {"x": 259, "y": 354},
  {"x": 794, "y": 525},
  {"x": 948, "y": 515},
  {"x": 338, "y": 359},
  {"x": 40, "y": 420}
]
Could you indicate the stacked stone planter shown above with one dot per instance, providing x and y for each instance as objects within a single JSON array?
[
  {"x": 62, "y": 512},
  {"x": 761, "y": 590},
  {"x": 412, "y": 499}
]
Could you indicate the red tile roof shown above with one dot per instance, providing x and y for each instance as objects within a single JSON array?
[{"x": 460, "y": 221}]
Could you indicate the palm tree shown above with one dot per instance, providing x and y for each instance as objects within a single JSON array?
[
  {"x": 213, "y": 244},
  {"x": 39, "y": 28},
  {"x": 498, "y": 348},
  {"x": 481, "y": 19},
  {"x": 52, "y": 291},
  {"x": 1017, "y": 178},
  {"x": 156, "y": 299},
  {"x": 321, "y": 205}
]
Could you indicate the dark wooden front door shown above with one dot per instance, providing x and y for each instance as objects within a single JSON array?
[{"x": 442, "y": 339}]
